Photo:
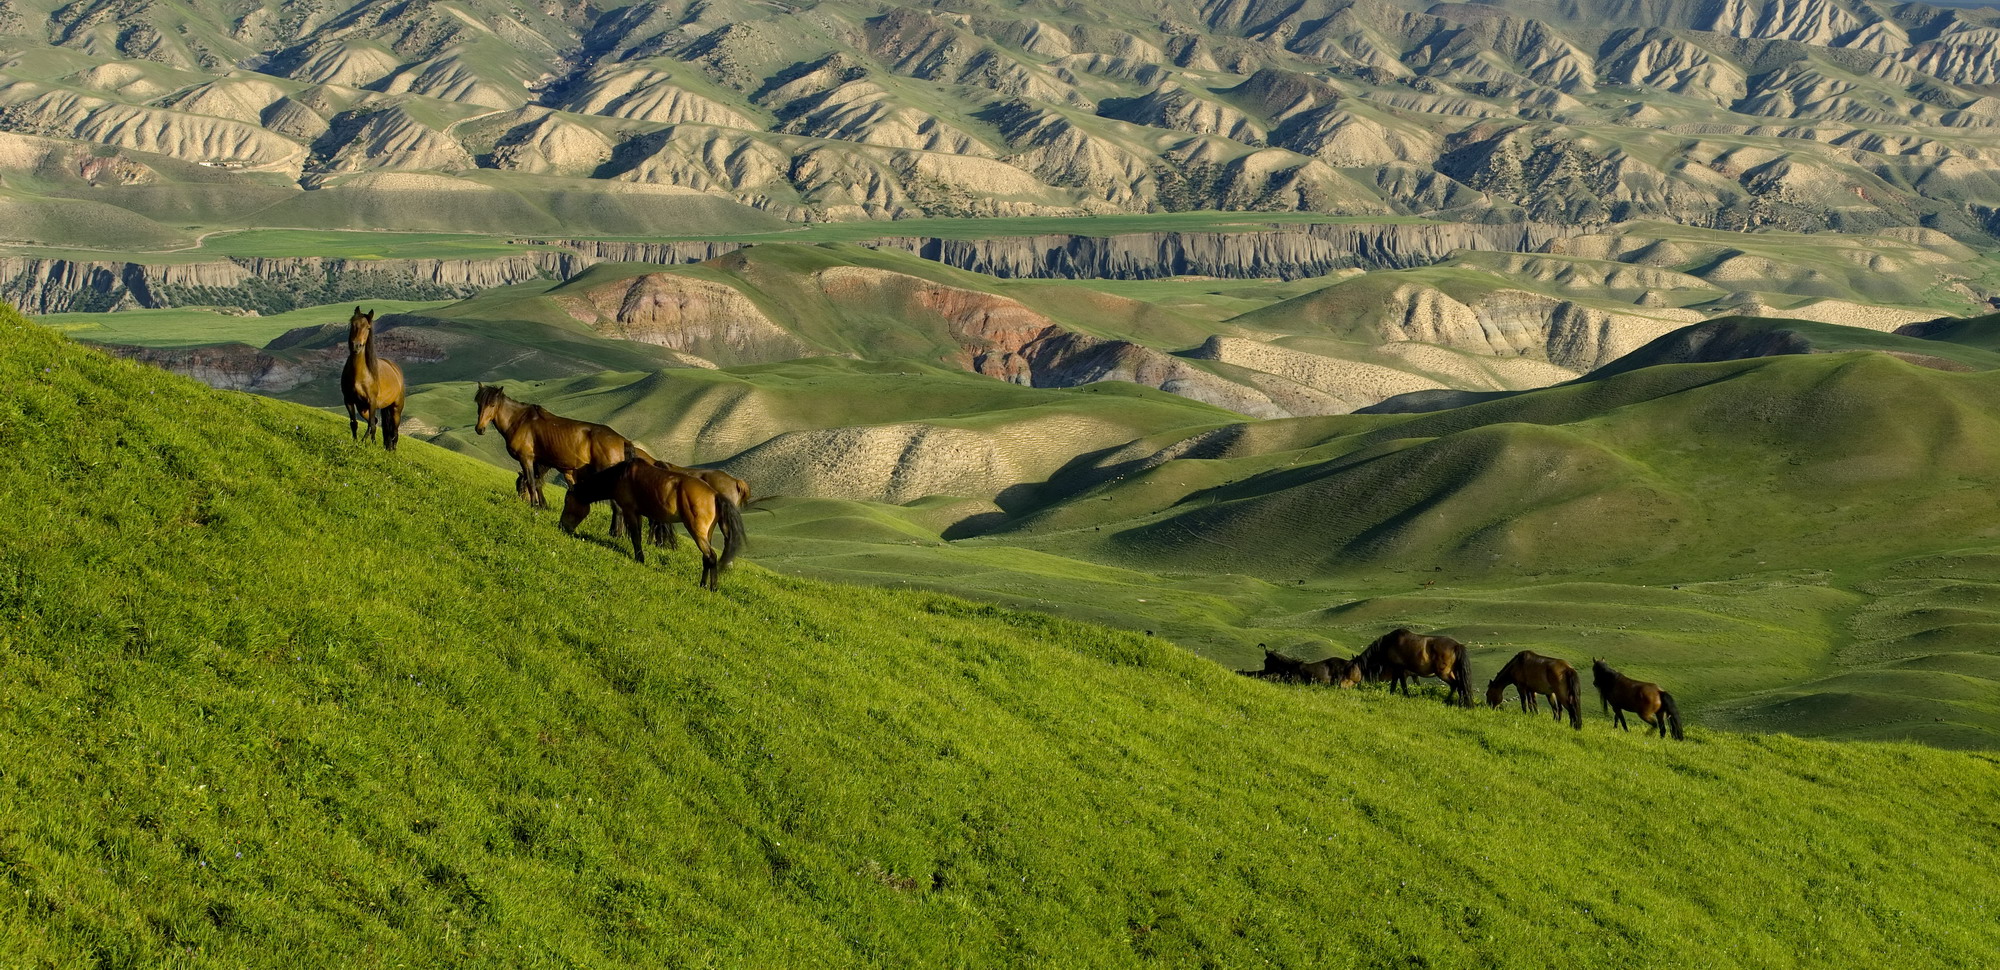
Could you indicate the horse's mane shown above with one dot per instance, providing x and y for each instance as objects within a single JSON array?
[{"x": 1602, "y": 674}]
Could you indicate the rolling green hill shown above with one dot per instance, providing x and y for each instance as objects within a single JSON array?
[
  {"x": 273, "y": 698},
  {"x": 1803, "y": 542}
]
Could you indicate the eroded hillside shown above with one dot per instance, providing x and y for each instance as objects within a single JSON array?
[{"x": 1841, "y": 114}]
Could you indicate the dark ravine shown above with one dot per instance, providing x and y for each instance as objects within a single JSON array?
[{"x": 267, "y": 285}]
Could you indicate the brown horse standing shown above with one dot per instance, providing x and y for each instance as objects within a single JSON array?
[
  {"x": 372, "y": 388},
  {"x": 728, "y": 487},
  {"x": 640, "y": 489},
  {"x": 1620, "y": 693},
  {"x": 1400, "y": 654},
  {"x": 541, "y": 441},
  {"x": 1530, "y": 674}
]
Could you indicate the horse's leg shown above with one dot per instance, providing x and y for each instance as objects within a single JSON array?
[
  {"x": 631, "y": 517},
  {"x": 391, "y": 426},
  {"x": 535, "y": 482},
  {"x": 1618, "y": 717},
  {"x": 353, "y": 422},
  {"x": 524, "y": 486},
  {"x": 699, "y": 522}
]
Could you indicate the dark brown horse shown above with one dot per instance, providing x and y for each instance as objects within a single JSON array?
[
  {"x": 639, "y": 489},
  {"x": 1399, "y": 655},
  {"x": 1620, "y": 693},
  {"x": 1279, "y": 667},
  {"x": 1531, "y": 674},
  {"x": 372, "y": 388},
  {"x": 540, "y": 441}
]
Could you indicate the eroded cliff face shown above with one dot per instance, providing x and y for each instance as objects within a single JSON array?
[
  {"x": 47, "y": 285},
  {"x": 707, "y": 321},
  {"x": 1513, "y": 323},
  {"x": 300, "y": 356},
  {"x": 1280, "y": 252},
  {"x": 234, "y": 367},
  {"x": 262, "y": 284}
]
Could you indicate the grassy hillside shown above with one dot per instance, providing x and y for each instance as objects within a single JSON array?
[
  {"x": 1661, "y": 472},
  {"x": 270, "y": 698},
  {"x": 1804, "y": 543}
]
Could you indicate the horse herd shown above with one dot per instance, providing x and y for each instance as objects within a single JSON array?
[
  {"x": 1400, "y": 656},
  {"x": 598, "y": 463}
]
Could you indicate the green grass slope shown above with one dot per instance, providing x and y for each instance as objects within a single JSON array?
[
  {"x": 1943, "y": 345},
  {"x": 1661, "y": 472},
  {"x": 272, "y": 698},
  {"x": 1803, "y": 543}
]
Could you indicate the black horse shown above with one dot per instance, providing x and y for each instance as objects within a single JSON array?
[{"x": 1278, "y": 667}]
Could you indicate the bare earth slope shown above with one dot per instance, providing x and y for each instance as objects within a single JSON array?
[{"x": 1845, "y": 114}]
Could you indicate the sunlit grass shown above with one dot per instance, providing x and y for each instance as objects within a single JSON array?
[{"x": 272, "y": 698}]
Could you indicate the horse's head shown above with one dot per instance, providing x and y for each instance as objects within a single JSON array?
[
  {"x": 487, "y": 401},
  {"x": 1495, "y": 693},
  {"x": 360, "y": 328},
  {"x": 1349, "y": 674},
  {"x": 575, "y": 510}
]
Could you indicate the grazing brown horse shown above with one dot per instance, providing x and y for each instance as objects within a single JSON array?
[
  {"x": 1400, "y": 654},
  {"x": 372, "y": 388},
  {"x": 1530, "y": 674},
  {"x": 541, "y": 441},
  {"x": 638, "y": 488},
  {"x": 1620, "y": 693},
  {"x": 1285, "y": 669}
]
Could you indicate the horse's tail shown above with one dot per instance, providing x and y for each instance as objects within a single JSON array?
[
  {"x": 733, "y": 536},
  {"x": 1461, "y": 669},
  {"x": 1574, "y": 684},
  {"x": 1673, "y": 713}
]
